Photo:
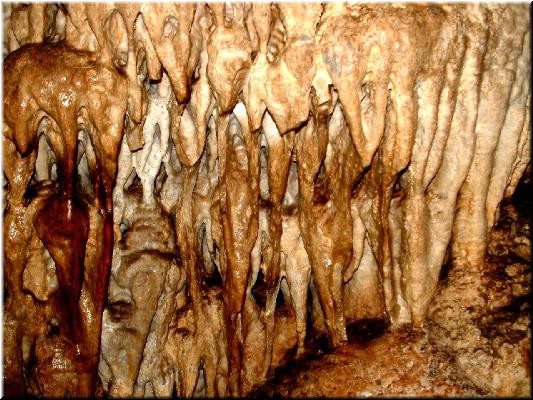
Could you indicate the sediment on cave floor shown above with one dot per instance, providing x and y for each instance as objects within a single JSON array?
[
  {"x": 431, "y": 362},
  {"x": 198, "y": 195}
]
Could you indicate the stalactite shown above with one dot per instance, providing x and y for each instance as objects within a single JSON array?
[{"x": 191, "y": 187}]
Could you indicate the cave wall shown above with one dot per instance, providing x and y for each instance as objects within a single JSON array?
[{"x": 190, "y": 188}]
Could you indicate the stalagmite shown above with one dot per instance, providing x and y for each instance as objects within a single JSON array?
[{"x": 195, "y": 192}]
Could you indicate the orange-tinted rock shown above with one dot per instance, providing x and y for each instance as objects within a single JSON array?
[{"x": 220, "y": 183}]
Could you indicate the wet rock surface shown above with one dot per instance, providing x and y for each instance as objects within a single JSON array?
[
  {"x": 195, "y": 192},
  {"x": 472, "y": 353},
  {"x": 488, "y": 330},
  {"x": 399, "y": 364}
]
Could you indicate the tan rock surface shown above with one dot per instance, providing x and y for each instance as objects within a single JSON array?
[
  {"x": 393, "y": 365},
  {"x": 193, "y": 191}
]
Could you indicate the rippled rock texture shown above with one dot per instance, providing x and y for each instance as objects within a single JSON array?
[
  {"x": 462, "y": 352},
  {"x": 192, "y": 191}
]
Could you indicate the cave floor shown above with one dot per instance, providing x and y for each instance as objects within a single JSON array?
[
  {"x": 377, "y": 362},
  {"x": 394, "y": 364}
]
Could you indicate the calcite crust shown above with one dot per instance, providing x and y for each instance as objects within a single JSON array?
[{"x": 192, "y": 190}]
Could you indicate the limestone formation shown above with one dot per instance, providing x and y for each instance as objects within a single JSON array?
[{"x": 194, "y": 190}]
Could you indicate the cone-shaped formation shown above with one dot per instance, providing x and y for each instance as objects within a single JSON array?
[{"x": 190, "y": 187}]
